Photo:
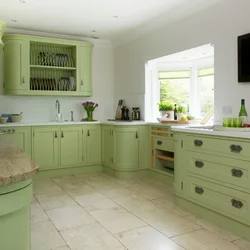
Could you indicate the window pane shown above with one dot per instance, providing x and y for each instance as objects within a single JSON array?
[
  {"x": 206, "y": 93},
  {"x": 206, "y": 72},
  {"x": 176, "y": 90},
  {"x": 174, "y": 74}
]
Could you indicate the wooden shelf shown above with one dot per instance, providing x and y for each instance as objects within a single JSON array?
[
  {"x": 165, "y": 171},
  {"x": 166, "y": 158},
  {"x": 51, "y": 67}
]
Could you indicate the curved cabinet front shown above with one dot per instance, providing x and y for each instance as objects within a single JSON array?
[{"x": 15, "y": 216}]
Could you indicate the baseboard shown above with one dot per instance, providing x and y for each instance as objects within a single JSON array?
[
  {"x": 68, "y": 171},
  {"x": 162, "y": 177},
  {"x": 220, "y": 220}
]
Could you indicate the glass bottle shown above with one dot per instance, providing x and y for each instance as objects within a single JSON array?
[
  {"x": 243, "y": 112},
  {"x": 175, "y": 112}
]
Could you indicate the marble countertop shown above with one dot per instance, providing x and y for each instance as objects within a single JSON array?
[
  {"x": 15, "y": 165},
  {"x": 205, "y": 131}
]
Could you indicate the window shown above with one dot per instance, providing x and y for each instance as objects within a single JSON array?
[
  {"x": 174, "y": 86},
  {"x": 206, "y": 89}
]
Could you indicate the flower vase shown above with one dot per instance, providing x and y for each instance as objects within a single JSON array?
[{"x": 89, "y": 115}]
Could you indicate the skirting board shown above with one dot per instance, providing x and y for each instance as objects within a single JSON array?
[
  {"x": 68, "y": 171},
  {"x": 220, "y": 220}
]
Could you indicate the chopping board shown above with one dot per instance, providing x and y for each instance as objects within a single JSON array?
[{"x": 174, "y": 122}]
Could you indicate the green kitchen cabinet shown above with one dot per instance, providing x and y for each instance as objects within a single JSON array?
[
  {"x": 107, "y": 146},
  {"x": 71, "y": 153},
  {"x": 179, "y": 163},
  {"x": 126, "y": 144},
  {"x": 46, "y": 142},
  {"x": 92, "y": 144},
  {"x": 21, "y": 136},
  {"x": 85, "y": 73},
  {"x": 16, "y": 66},
  {"x": 144, "y": 147}
]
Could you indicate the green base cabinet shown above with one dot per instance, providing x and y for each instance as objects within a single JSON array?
[
  {"x": 126, "y": 145},
  {"x": 107, "y": 146},
  {"x": 144, "y": 147},
  {"x": 21, "y": 136},
  {"x": 15, "y": 216},
  {"x": 45, "y": 146}
]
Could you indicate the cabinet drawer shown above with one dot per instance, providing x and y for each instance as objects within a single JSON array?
[
  {"x": 229, "y": 202},
  {"x": 164, "y": 144},
  {"x": 161, "y": 131},
  {"x": 230, "y": 147},
  {"x": 231, "y": 171}
]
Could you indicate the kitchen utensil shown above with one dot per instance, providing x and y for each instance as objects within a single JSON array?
[
  {"x": 3, "y": 120},
  {"x": 118, "y": 115},
  {"x": 16, "y": 118}
]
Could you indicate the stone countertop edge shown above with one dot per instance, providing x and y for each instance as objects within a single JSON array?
[
  {"x": 243, "y": 135},
  {"x": 15, "y": 165}
]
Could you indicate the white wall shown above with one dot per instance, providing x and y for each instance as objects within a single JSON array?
[
  {"x": 39, "y": 108},
  {"x": 219, "y": 25}
]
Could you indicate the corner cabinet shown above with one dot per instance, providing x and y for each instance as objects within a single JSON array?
[{"x": 47, "y": 66}]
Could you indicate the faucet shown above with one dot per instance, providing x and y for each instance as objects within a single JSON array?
[
  {"x": 58, "y": 115},
  {"x": 72, "y": 115}
]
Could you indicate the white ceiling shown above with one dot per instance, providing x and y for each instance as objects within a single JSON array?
[{"x": 117, "y": 20}]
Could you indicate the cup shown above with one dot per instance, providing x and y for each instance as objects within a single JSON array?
[
  {"x": 237, "y": 122},
  {"x": 225, "y": 122}
]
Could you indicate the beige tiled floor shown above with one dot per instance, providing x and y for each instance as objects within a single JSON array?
[{"x": 99, "y": 212}]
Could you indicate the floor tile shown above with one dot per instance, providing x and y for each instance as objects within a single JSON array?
[
  {"x": 115, "y": 191},
  {"x": 243, "y": 244},
  {"x": 86, "y": 176},
  {"x": 91, "y": 237},
  {"x": 44, "y": 236},
  {"x": 117, "y": 219},
  {"x": 168, "y": 202},
  {"x": 167, "y": 222},
  {"x": 75, "y": 190},
  {"x": 95, "y": 201},
  {"x": 46, "y": 187},
  {"x": 34, "y": 200},
  {"x": 146, "y": 238},
  {"x": 61, "y": 248},
  {"x": 50, "y": 202},
  {"x": 213, "y": 228},
  {"x": 205, "y": 240},
  {"x": 69, "y": 217},
  {"x": 36, "y": 213},
  {"x": 136, "y": 204},
  {"x": 65, "y": 179}
]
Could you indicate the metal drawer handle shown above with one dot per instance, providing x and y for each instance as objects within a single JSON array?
[
  {"x": 82, "y": 82},
  {"x": 199, "y": 164},
  {"x": 235, "y": 148},
  {"x": 199, "y": 190},
  {"x": 237, "y": 172},
  {"x": 55, "y": 134},
  {"x": 237, "y": 204},
  {"x": 136, "y": 134},
  {"x": 159, "y": 142},
  {"x": 198, "y": 143},
  {"x": 88, "y": 134},
  {"x": 62, "y": 135},
  {"x": 23, "y": 80}
]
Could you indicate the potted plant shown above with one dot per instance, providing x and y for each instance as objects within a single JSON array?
[
  {"x": 167, "y": 110},
  {"x": 181, "y": 111}
]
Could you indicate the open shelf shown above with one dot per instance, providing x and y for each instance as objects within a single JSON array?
[
  {"x": 164, "y": 157},
  {"x": 52, "y": 67}
]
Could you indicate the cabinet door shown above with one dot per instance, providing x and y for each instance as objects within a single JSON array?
[
  {"x": 126, "y": 147},
  {"x": 85, "y": 75},
  {"x": 107, "y": 145},
  {"x": 20, "y": 136},
  {"x": 92, "y": 143},
  {"x": 71, "y": 146},
  {"x": 144, "y": 147},
  {"x": 16, "y": 65},
  {"x": 45, "y": 146}
]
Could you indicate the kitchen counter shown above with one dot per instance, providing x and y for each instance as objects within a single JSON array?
[
  {"x": 206, "y": 131},
  {"x": 15, "y": 165}
]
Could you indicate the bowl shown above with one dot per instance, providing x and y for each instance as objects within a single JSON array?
[
  {"x": 159, "y": 119},
  {"x": 16, "y": 118},
  {"x": 3, "y": 120}
]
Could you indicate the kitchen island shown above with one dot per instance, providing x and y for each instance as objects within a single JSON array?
[{"x": 16, "y": 173}]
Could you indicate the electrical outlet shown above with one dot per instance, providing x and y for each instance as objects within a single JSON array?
[{"x": 227, "y": 110}]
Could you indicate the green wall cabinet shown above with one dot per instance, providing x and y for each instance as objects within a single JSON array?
[
  {"x": 47, "y": 66},
  {"x": 71, "y": 153},
  {"x": 126, "y": 147},
  {"x": 20, "y": 136},
  {"x": 85, "y": 76},
  {"x": 16, "y": 66},
  {"x": 45, "y": 146}
]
